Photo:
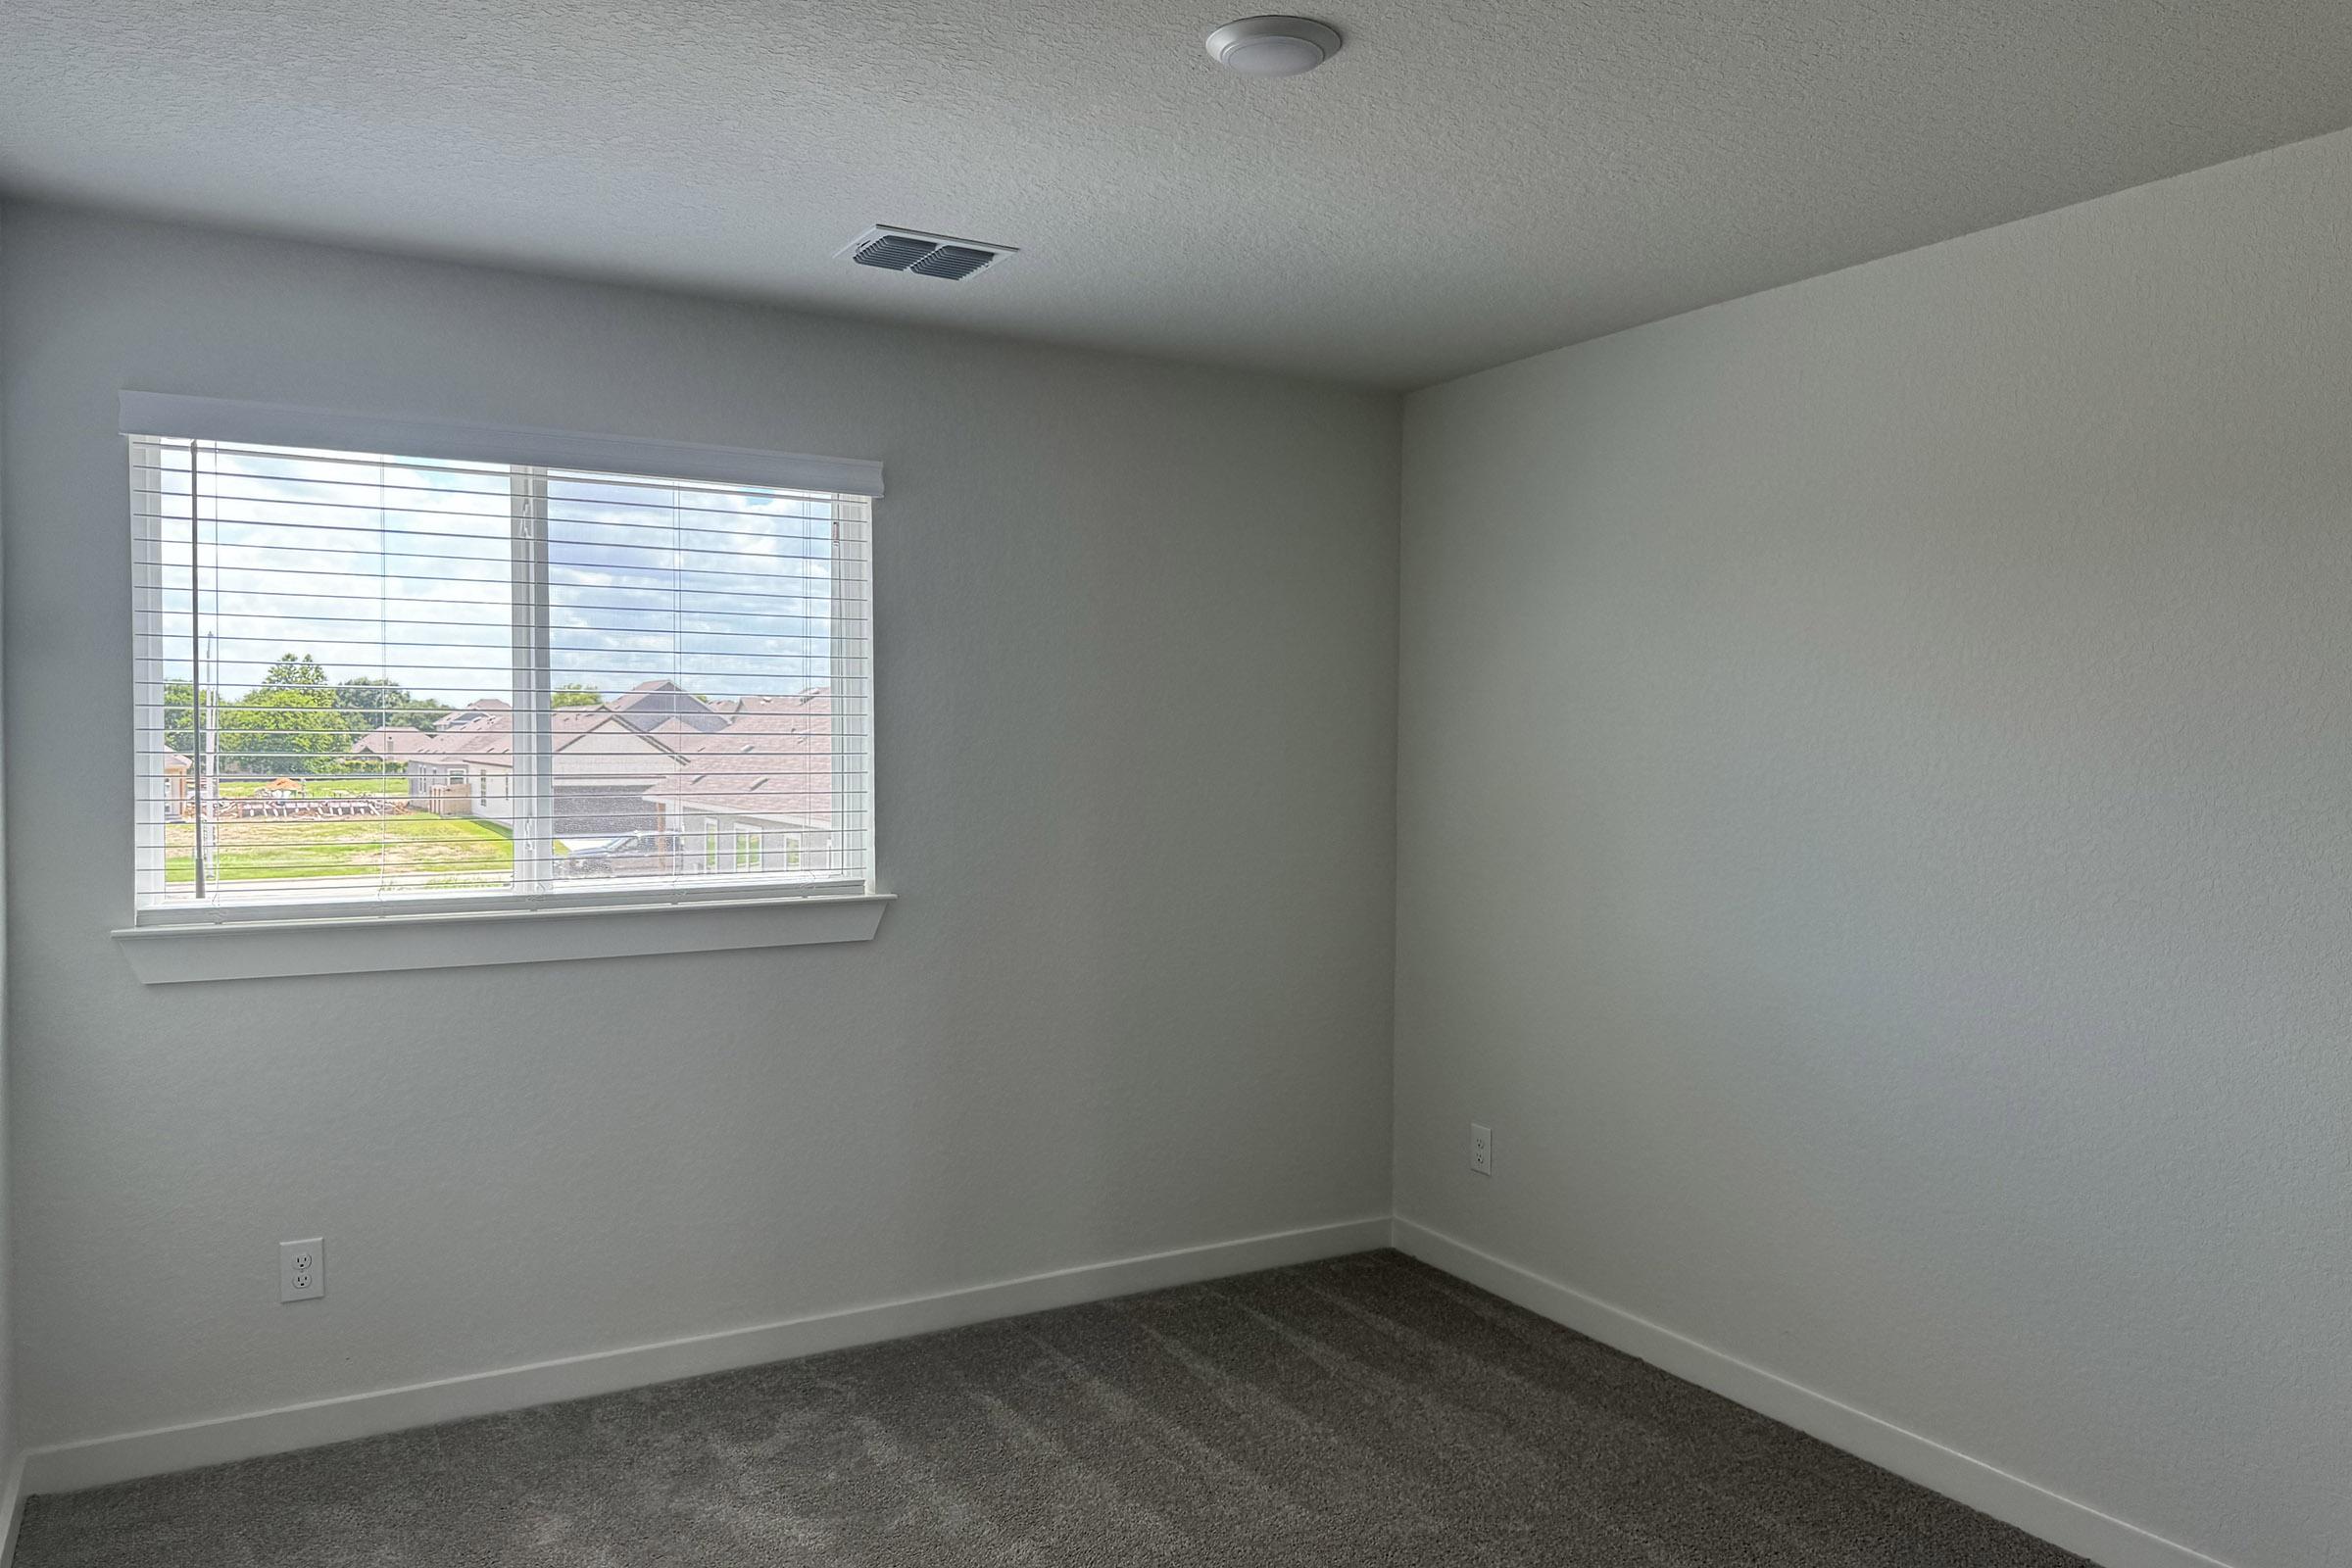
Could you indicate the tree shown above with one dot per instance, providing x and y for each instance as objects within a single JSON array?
[
  {"x": 577, "y": 693},
  {"x": 283, "y": 728},
  {"x": 370, "y": 703},
  {"x": 180, "y": 714},
  {"x": 424, "y": 713},
  {"x": 295, "y": 673}
]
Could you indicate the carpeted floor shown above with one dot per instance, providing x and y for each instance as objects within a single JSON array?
[{"x": 1365, "y": 1411}]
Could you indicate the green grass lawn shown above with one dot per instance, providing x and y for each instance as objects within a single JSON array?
[
  {"x": 317, "y": 789},
  {"x": 415, "y": 843}
]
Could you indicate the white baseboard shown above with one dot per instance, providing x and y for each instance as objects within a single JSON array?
[
  {"x": 99, "y": 1460},
  {"x": 2076, "y": 1527},
  {"x": 12, "y": 1508},
  {"x": 2062, "y": 1521}
]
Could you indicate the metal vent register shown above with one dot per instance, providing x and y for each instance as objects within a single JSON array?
[{"x": 904, "y": 250}]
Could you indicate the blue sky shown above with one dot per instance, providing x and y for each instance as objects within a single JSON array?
[{"x": 399, "y": 568}]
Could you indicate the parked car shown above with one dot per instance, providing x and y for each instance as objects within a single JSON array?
[{"x": 619, "y": 855}]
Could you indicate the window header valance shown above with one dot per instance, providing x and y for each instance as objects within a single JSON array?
[{"x": 163, "y": 413}]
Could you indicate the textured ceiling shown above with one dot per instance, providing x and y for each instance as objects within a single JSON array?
[{"x": 1462, "y": 185}]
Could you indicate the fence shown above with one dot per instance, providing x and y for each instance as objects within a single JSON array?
[{"x": 313, "y": 809}]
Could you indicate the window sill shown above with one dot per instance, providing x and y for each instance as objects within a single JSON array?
[{"x": 253, "y": 949}]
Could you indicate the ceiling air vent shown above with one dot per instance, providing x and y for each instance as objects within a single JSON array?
[
  {"x": 904, "y": 250},
  {"x": 953, "y": 262},
  {"x": 893, "y": 252}
]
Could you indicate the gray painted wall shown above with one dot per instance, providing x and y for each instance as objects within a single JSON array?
[
  {"x": 1876, "y": 824},
  {"x": 1136, "y": 737},
  {"x": 8, "y": 1340}
]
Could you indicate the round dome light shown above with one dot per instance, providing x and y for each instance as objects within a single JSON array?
[{"x": 1272, "y": 47}]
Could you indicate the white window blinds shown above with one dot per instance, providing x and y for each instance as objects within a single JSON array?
[{"x": 369, "y": 682}]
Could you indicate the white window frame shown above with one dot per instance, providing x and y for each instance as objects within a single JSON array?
[{"x": 534, "y": 921}]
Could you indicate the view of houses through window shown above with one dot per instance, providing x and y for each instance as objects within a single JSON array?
[{"x": 333, "y": 645}]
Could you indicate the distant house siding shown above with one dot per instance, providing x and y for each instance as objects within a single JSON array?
[
  {"x": 719, "y": 842},
  {"x": 444, "y": 790},
  {"x": 494, "y": 796}
]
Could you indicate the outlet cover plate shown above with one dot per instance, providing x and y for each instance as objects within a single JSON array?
[{"x": 302, "y": 1269}]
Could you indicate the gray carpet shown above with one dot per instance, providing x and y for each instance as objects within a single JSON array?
[{"x": 1367, "y": 1411}]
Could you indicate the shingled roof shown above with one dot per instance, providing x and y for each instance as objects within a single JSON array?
[
  {"x": 766, "y": 757},
  {"x": 652, "y": 704},
  {"x": 774, "y": 758},
  {"x": 484, "y": 733}
]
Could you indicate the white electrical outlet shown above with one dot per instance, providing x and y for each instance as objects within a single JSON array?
[
  {"x": 1482, "y": 1149},
  {"x": 302, "y": 1269}
]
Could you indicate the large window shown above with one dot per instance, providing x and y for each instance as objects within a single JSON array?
[{"x": 371, "y": 682}]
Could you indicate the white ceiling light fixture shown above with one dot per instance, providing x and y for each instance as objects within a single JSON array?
[{"x": 1273, "y": 46}]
